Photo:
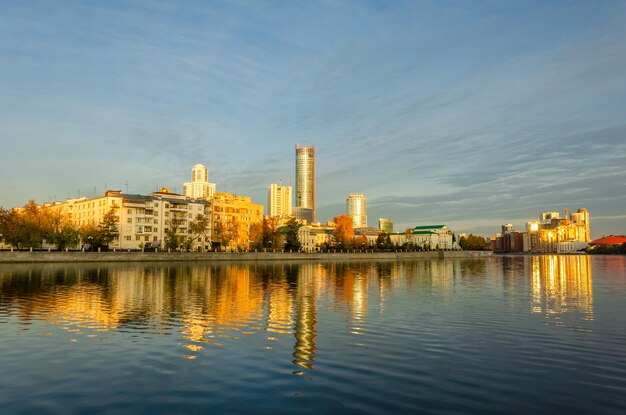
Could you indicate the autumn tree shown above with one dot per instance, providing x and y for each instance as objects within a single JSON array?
[{"x": 343, "y": 232}]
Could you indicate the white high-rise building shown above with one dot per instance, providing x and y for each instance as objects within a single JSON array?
[
  {"x": 279, "y": 200},
  {"x": 356, "y": 208},
  {"x": 199, "y": 187}
]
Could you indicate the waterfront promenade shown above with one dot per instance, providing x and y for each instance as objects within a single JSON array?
[{"x": 133, "y": 256}]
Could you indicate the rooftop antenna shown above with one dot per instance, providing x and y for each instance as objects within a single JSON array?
[{"x": 126, "y": 186}]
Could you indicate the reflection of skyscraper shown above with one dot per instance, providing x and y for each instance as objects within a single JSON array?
[
  {"x": 306, "y": 318},
  {"x": 305, "y": 178},
  {"x": 356, "y": 208}
]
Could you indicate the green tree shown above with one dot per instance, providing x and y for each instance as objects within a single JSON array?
[
  {"x": 108, "y": 229},
  {"x": 292, "y": 243},
  {"x": 472, "y": 243}
]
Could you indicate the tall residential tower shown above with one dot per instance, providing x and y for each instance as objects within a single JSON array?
[
  {"x": 305, "y": 180},
  {"x": 279, "y": 200},
  {"x": 356, "y": 208},
  {"x": 199, "y": 187}
]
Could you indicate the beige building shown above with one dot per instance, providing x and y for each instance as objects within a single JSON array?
[
  {"x": 279, "y": 203},
  {"x": 356, "y": 208},
  {"x": 232, "y": 217},
  {"x": 199, "y": 187},
  {"x": 143, "y": 220}
]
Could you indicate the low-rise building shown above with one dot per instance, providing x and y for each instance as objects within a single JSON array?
[
  {"x": 143, "y": 220},
  {"x": 426, "y": 237}
]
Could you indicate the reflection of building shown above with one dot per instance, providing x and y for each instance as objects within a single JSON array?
[
  {"x": 356, "y": 208},
  {"x": 199, "y": 187},
  {"x": 232, "y": 217},
  {"x": 306, "y": 318},
  {"x": 562, "y": 284},
  {"x": 305, "y": 179},
  {"x": 279, "y": 200}
]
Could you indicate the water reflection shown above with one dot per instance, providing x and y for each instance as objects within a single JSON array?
[
  {"x": 562, "y": 284},
  {"x": 209, "y": 306}
]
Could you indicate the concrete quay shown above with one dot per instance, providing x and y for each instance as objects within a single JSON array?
[{"x": 133, "y": 256}]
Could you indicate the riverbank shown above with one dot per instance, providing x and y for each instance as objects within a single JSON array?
[{"x": 47, "y": 257}]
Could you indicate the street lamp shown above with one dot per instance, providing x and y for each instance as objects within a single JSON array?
[{"x": 90, "y": 239}]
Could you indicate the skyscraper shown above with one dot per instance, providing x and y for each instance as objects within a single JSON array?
[
  {"x": 305, "y": 178},
  {"x": 199, "y": 187},
  {"x": 356, "y": 208},
  {"x": 279, "y": 200}
]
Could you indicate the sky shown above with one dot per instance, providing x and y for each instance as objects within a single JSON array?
[{"x": 469, "y": 114}]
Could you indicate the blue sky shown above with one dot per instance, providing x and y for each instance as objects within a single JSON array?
[{"x": 471, "y": 114}]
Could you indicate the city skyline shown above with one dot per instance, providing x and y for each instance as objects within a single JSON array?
[{"x": 469, "y": 115}]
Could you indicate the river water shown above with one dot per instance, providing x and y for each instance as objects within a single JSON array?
[{"x": 523, "y": 335}]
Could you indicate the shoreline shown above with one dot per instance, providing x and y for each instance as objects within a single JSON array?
[{"x": 16, "y": 257}]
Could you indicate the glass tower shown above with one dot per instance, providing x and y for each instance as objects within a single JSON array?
[{"x": 305, "y": 178}]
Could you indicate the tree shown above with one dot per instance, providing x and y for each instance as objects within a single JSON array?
[
  {"x": 199, "y": 226},
  {"x": 108, "y": 230},
  {"x": 343, "y": 232},
  {"x": 472, "y": 243},
  {"x": 10, "y": 224},
  {"x": 292, "y": 243},
  {"x": 383, "y": 241},
  {"x": 172, "y": 239}
]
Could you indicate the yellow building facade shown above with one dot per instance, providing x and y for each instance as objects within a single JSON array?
[{"x": 232, "y": 218}]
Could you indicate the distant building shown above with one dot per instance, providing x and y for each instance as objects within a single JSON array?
[
  {"x": 303, "y": 214},
  {"x": 199, "y": 187},
  {"x": 305, "y": 179},
  {"x": 279, "y": 201},
  {"x": 551, "y": 233},
  {"x": 385, "y": 225},
  {"x": 426, "y": 237},
  {"x": 356, "y": 208}
]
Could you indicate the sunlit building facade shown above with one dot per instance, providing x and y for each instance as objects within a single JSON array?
[
  {"x": 305, "y": 178},
  {"x": 427, "y": 237},
  {"x": 199, "y": 187},
  {"x": 143, "y": 220},
  {"x": 356, "y": 208},
  {"x": 279, "y": 201},
  {"x": 385, "y": 225},
  {"x": 554, "y": 234},
  {"x": 232, "y": 218}
]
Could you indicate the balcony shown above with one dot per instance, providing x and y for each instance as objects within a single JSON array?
[{"x": 134, "y": 204}]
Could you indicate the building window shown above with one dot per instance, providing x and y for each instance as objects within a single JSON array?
[{"x": 129, "y": 220}]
